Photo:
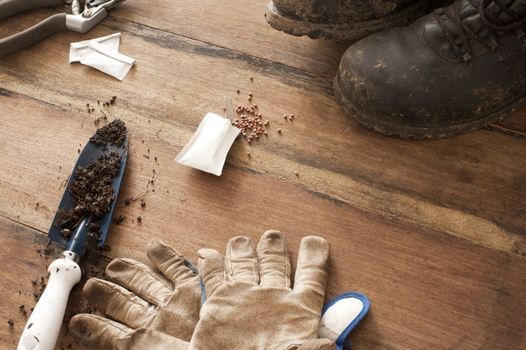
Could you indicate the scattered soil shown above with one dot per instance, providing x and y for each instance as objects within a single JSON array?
[
  {"x": 22, "y": 309},
  {"x": 93, "y": 192},
  {"x": 119, "y": 219},
  {"x": 114, "y": 133},
  {"x": 92, "y": 188}
]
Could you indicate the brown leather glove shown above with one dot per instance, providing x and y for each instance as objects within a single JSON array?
[
  {"x": 142, "y": 307},
  {"x": 250, "y": 303}
]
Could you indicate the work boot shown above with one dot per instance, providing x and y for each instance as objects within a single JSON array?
[
  {"x": 344, "y": 19},
  {"x": 452, "y": 71}
]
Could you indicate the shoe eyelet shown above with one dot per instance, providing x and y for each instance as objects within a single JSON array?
[
  {"x": 467, "y": 57},
  {"x": 522, "y": 36},
  {"x": 493, "y": 45}
]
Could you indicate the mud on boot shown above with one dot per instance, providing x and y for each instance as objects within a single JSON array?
[
  {"x": 455, "y": 70},
  {"x": 344, "y": 19}
]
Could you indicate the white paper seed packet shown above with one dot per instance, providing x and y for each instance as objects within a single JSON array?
[
  {"x": 110, "y": 62},
  {"x": 80, "y": 49},
  {"x": 209, "y": 146}
]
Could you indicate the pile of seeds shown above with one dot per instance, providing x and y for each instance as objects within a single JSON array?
[{"x": 250, "y": 122}]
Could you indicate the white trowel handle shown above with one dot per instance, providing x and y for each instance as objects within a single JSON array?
[{"x": 42, "y": 328}]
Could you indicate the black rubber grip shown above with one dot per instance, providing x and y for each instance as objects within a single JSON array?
[
  {"x": 12, "y": 7},
  {"x": 30, "y": 36}
]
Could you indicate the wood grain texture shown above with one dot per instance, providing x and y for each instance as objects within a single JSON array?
[
  {"x": 433, "y": 232},
  {"x": 239, "y": 26},
  {"x": 445, "y": 184},
  {"x": 421, "y": 282}
]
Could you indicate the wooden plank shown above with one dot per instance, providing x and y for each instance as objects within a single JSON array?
[
  {"x": 432, "y": 232},
  {"x": 22, "y": 280},
  {"x": 428, "y": 289},
  {"x": 514, "y": 124},
  {"x": 448, "y": 185},
  {"x": 238, "y": 25}
]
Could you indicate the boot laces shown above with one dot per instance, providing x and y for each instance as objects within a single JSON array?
[{"x": 492, "y": 23}]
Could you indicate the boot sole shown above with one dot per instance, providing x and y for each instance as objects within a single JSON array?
[
  {"x": 420, "y": 133},
  {"x": 345, "y": 31}
]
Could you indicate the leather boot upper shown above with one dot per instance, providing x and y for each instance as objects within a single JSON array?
[{"x": 455, "y": 65}]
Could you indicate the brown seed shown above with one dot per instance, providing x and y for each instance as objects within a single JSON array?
[
  {"x": 139, "y": 219},
  {"x": 251, "y": 78},
  {"x": 297, "y": 174},
  {"x": 238, "y": 91},
  {"x": 279, "y": 131},
  {"x": 248, "y": 154}
]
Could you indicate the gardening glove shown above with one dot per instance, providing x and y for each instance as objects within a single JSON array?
[
  {"x": 250, "y": 303},
  {"x": 142, "y": 307}
]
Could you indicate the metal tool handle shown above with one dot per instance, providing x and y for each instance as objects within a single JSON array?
[
  {"x": 43, "y": 326},
  {"x": 12, "y": 7},
  {"x": 30, "y": 36}
]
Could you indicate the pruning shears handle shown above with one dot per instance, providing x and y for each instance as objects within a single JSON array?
[{"x": 80, "y": 21}]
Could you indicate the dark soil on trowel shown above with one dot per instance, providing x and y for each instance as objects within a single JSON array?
[
  {"x": 114, "y": 133},
  {"x": 92, "y": 188}
]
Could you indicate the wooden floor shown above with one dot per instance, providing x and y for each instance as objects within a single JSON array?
[{"x": 433, "y": 232}]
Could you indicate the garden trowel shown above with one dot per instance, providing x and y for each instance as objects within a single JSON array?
[{"x": 43, "y": 326}]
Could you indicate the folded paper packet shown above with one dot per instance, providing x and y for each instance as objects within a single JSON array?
[
  {"x": 110, "y": 62},
  {"x": 209, "y": 146},
  {"x": 102, "y": 54},
  {"x": 80, "y": 49}
]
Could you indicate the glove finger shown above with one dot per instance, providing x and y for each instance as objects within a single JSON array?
[
  {"x": 146, "y": 338},
  {"x": 240, "y": 261},
  {"x": 172, "y": 265},
  {"x": 310, "y": 280},
  {"x": 315, "y": 344},
  {"x": 96, "y": 332},
  {"x": 211, "y": 269},
  {"x": 140, "y": 279},
  {"x": 274, "y": 261},
  {"x": 118, "y": 303}
]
